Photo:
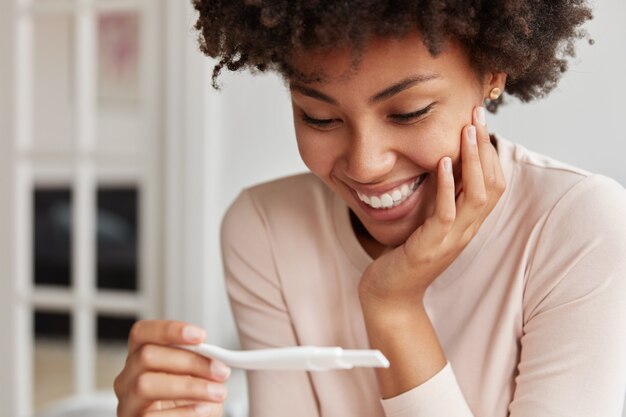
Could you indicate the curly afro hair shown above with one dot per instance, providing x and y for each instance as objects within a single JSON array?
[{"x": 529, "y": 40}]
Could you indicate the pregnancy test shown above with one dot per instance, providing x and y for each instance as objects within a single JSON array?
[{"x": 306, "y": 358}]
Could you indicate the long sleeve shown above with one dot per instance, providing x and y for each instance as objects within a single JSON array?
[
  {"x": 573, "y": 356},
  {"x": 439, "y": 396},
  {"x": 260, "y": 312}
]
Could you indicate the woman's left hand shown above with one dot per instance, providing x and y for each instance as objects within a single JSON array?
[{"x": 402, "y": 275}]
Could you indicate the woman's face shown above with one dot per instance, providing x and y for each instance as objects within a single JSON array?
[{"x": 378, "y": 132}]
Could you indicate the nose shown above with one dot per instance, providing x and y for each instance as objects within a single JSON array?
[{"x": 369, "y": 158}]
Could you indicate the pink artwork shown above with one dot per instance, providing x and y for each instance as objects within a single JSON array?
[{"x": 118, "y": 56}]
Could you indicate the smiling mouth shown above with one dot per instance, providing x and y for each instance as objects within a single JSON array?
[{"x": 394, "y": 197}]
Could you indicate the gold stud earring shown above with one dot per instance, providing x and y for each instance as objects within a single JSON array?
[{"x": 495, "y": 93}]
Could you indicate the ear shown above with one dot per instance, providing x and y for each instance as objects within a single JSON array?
[{"x": 493, "y": 80}]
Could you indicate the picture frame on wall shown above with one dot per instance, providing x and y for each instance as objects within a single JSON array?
[{"x": 119, "y": 46}]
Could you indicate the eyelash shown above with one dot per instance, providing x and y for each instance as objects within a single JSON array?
[
  {"x": 406, "y": 117},
  {"x": 316, "y": 122},
  {"x": 403, "y": 118}
]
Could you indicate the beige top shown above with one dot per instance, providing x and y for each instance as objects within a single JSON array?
[{"x": 531, "y": 315}]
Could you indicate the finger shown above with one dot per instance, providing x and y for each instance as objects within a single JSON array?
[
  {"x": 490, "y": 161},
  {"x": 439, "y": 224},
  {"x": 164, "y": 332},
  {"x": 173, "y": 360},
  {"x": 155, "y": 386},
  {"x": 197, "y": 410},
  {"x": 486, "y": 151},
  {"x": 473, "y": 198}
]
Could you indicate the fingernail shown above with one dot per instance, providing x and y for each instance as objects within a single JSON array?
[
  {"x": 219, "y": 370},
  {"x": 204, "y": 409},
  {"x": 480, "y": 113},
  {"x": 217, "y": 392},
  {"x": 447, "y": 164},
  {"x": 471, "y": 135},
  {"x": 193, "y": 334}
]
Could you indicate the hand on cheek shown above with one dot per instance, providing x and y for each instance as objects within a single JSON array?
[{"x": 407, "y": 271}]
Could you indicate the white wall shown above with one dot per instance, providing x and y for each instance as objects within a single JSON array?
[
  {"x": 251, "y": 132},
  {"x": 580, "y": 123},
  {"x": 7, "y": 322}
]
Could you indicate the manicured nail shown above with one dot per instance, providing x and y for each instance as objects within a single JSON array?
[
  {"x": 219, "y": 370},
  {"x": 217, "y": 392},
  {"x": 193, "y": 334},
  {"x": 447, "y": 164},
  {"x": 471, "y": 135},
  {"x": 480, "y": 113},
  {"x": 204, "y": 409}
]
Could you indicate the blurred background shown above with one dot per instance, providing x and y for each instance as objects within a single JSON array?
[{"x": 118, "y": 160}]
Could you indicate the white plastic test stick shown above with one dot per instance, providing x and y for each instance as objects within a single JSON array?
[{"x": 307, "y": 358}]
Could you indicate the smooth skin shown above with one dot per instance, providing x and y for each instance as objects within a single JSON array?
[
  {"x": 160, "y": 380},
  {"x": 428, "y": 119}
]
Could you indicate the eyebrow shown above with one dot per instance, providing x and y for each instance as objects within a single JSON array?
[{"x": 376, "y": 98}]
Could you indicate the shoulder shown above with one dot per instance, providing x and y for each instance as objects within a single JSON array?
[
  {"x": 571, "y": 225},
  {"x": 279, "y": 204},
  {"x": 539, "y": 176},
  {"x": 541, "y": 188},
  {"x": 593, "y": 209},
  {"x": 580, "y": 247}
]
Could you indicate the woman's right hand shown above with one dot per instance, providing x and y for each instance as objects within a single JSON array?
[{"x": 160, "y": 380}]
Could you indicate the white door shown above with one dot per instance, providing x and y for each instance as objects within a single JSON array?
[{"x": 80, "y": 180}]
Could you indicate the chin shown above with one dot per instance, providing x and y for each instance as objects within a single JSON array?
[{"x": 391, "y": 237}]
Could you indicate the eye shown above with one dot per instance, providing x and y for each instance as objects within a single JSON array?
[
  {"x": 408, "y": 118},
  {"x": 319, "y": 123}
]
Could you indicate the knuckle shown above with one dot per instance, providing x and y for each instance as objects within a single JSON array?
[
  {"x": 491, "y": 181},
  {"x": 483, "y": 136},
  {"x": 466, "y": 237},
  {"x": 117, "y": 385},
  {"x": 200, "y": 389},
  {"x": 143, "y": 386},
  {"x": 473, "y": 156},
  {"x": 446, "y": 218},
  {"x": 146, "y": 356},
  {"x": 478, "y": 199},
  {"x": 135, "y": 331},
  {"x": 427, "y": 257},
  {"x": 501, "y": 186}
]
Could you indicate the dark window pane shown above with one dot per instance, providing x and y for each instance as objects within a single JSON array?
[
  {"x": 117, "y": 231},
  {"x": 52, "y": 325},
  {"x": 52, "y": 231},
  {"x": 112, "y": 328}
]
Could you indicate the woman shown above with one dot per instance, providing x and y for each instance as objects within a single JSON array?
[{"x": 491, "y": 277}]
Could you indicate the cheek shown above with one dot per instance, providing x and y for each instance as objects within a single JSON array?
[
  {"x": 315, "y": 152},
  {"x": 437, "y": 139}
]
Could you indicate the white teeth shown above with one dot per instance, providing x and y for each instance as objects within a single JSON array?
[
  {"x": 387, "y": 201},
  {"x": 396, "y": 195},
  {"x": 393, "y": 198}
]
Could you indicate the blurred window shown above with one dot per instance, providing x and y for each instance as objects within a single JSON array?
[
  {"x": 117, "y": 242},
  {"x": 52, "y": 236}
]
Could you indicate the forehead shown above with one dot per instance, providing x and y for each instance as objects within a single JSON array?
[{"x": 382, "y": 60}]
